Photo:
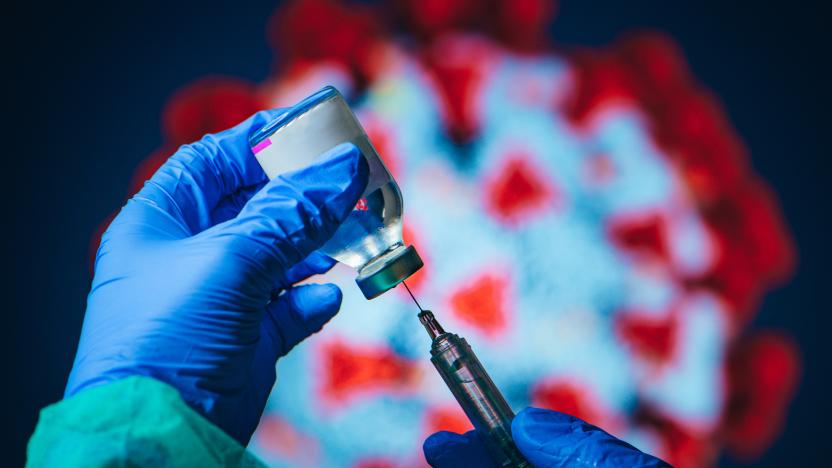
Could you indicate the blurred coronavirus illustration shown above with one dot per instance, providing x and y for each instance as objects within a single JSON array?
[{"x": 589, "y": 220}]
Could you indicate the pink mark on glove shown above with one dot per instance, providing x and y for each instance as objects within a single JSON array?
[{"x": 262, "y": 145}]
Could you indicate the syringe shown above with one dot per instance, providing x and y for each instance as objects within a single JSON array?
[{"x": 474, "y": 391}]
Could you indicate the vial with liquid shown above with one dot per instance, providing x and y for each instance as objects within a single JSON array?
[{"x": 370, "y": 239}]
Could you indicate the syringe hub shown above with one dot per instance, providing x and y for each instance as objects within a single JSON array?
[{"x": 433, "y": 327}]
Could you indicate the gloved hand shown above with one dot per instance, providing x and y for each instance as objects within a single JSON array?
[
  {"x": 546, "y": 438},
  {"x": 193, "y": 278}
]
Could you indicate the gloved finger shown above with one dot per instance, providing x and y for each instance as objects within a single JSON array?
[
  {"x": 315, "y": 264},
  {"x": 192, "y": 182},
  {"x": 296, "y": 213},
  {"x": 297, "y": 314},
  {"x": 449, "y": 449},
  {"x": 229, "y": 207},
  {"x": 550, "y": 438}
]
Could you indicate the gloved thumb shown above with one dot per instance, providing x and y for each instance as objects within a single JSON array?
[
  {"x": 297, "y": 314},
  {"x": 446, "y": 449},
  {"x": 550, "y": 438},
  {"x": 296, "y": 213},
  {"x": 294, "y": 315}
]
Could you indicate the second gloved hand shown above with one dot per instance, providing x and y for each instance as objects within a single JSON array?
[
  {"x": 547, "y": 439},
  {"x": 194, "y": 278}
]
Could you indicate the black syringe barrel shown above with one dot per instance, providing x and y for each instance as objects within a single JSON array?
[{"x": 476, "y": 393}]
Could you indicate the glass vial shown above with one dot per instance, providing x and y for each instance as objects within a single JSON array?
[{"x": 370, "y": 239}]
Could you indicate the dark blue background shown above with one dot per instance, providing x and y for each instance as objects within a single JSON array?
[{"x": 88, "y": 85}]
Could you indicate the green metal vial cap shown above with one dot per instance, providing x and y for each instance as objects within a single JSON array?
[{"x": 387, "y": 271}]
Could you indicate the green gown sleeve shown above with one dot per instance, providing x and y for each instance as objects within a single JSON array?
[{"x": 136, "y": 421}]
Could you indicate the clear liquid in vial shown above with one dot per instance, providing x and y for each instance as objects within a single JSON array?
[
  {"x": 373, "y": 228},
  {"x": 370, "y": 239}
]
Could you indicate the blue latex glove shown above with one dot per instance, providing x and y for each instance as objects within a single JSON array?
[
  {"x": 546, "y": 438},
  {"x": 193, "y": 278}
]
